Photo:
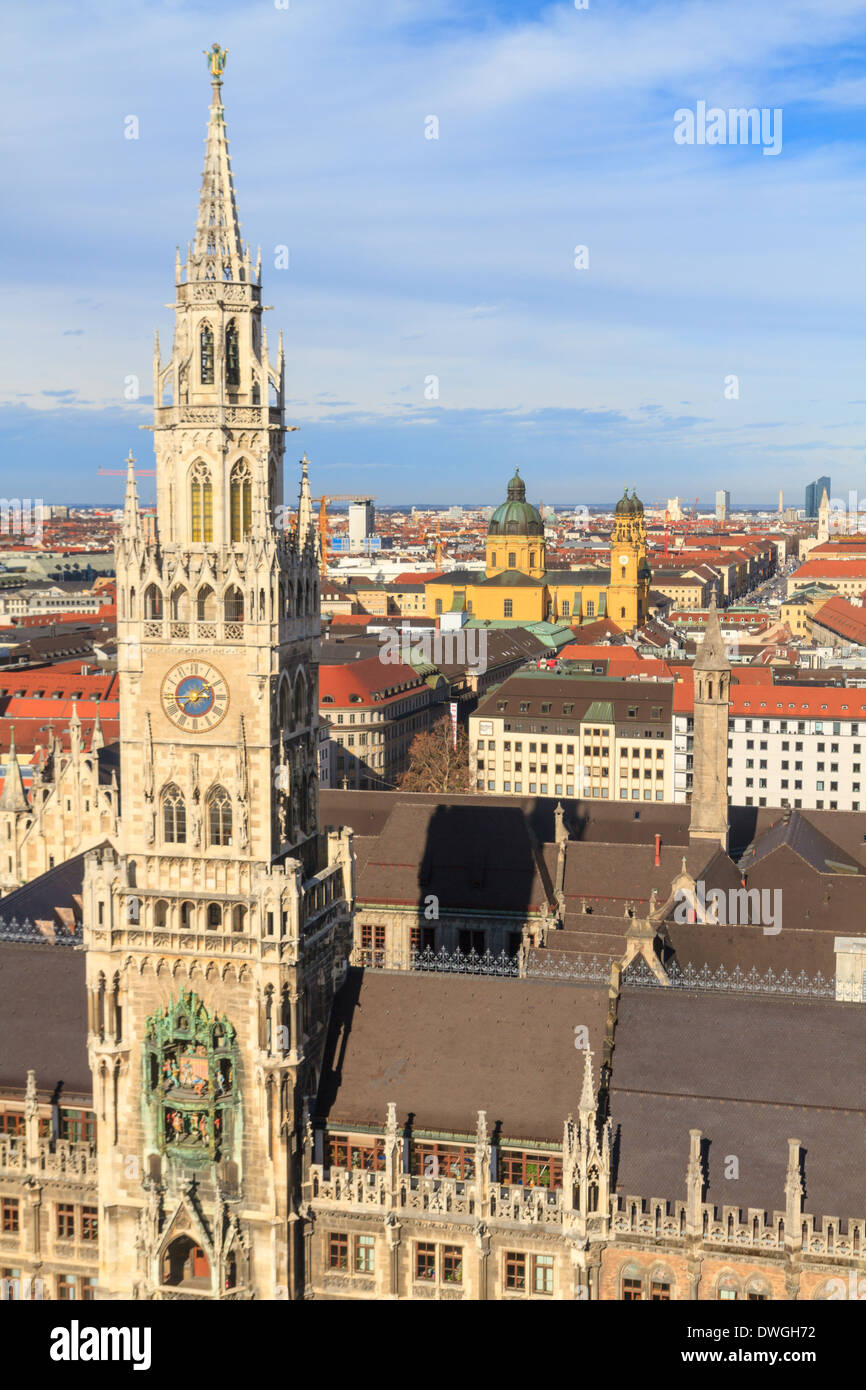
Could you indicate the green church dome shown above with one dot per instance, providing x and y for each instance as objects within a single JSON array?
[{"x": 516, "y": 517}]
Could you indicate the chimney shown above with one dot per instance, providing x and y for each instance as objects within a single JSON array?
[{"x": 658, "y": 858}]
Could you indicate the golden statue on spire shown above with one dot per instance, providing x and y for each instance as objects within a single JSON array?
[{"x": 216, "y": 58}]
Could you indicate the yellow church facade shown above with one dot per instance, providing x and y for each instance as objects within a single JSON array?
[{"x": 517, "y": 584}]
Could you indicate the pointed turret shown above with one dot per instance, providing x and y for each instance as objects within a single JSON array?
[
  {"x": 75, "y": 732},
  {"x": 13, "y": 796},
  {"x": 97, "y": 738},
  {"x": 217, "y": 252},
  {"x": 712, "y": 655},
  {"x": 305, "y": 506},
  {"x": 131, "y": 527}
]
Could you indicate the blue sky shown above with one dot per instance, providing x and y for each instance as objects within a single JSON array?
[{"x": 411, "y": 257}]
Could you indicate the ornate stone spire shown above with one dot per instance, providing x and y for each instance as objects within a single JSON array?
[
  {"x": 131, "y": 528},
  {"x": 97, "y": 738},
  {"x": 217, "y": 253},
  {"x": 13, "y": 796},
  {"x": 305, "y": 506}
]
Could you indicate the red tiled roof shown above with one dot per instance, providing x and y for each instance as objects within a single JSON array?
[
  {"x": 366, "y": 682},
  {"x": 832, "y": 569},
  {"x": 843, "y": 618}
]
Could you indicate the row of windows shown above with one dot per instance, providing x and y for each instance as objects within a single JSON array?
[
  {"x": 71, "y": 1222},
  {"x": 432, "y": 1159},
  {"x": 78, "y": 1126},
  {"x": 802, "y": 726},
  {"x": 439, "y": 1263},
  {"x": 14, "y": 1287},
  {"x": 567, "y": 789}
]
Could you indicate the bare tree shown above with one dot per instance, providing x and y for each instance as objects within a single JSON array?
[{"x": 434, "y": 764}]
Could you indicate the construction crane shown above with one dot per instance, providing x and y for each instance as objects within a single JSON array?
[
  {"x": 667, "y": 530},
  {"x": 323, "y": 503},
  {"x": 122, "y": 472}
]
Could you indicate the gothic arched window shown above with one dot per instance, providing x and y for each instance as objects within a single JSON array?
[
  {"x": 205, "y": 604},
  {"x": 201, "y": 503},
  {"x": 233, "y": 605},
  {"x": 173, "y": 816},
  {"x": 220, "y": 817},
  {"x": 300, "y": 707},
  {"x": 206, "y": 347},
  {"x": 240, "y": 494},
  {"x": 233, "y": 359},
  {"x": 153, "y": 602},
  {"x": 179, "y": 604}
]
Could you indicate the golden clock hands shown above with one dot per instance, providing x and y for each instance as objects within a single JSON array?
[{"x": 193, "y": 696}]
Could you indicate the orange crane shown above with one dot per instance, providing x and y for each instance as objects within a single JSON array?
[
  {"x": 324, "y": 531},
  {"x": 121, "y": 472},
  {"x": 667, "y": 530}
]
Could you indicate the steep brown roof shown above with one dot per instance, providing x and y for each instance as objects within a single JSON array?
[
  {"x": 714, "y": 1062},
  {"x": 43, "y": 1019},
  {"x": 443, "y": 1047}
]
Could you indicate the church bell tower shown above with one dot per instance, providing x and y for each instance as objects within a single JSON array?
[{"x": 217, "y": 926}]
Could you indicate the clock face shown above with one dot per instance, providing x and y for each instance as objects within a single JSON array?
[
  {"x": 195, "y": 696},
  {"x": 623, "y": 559}
]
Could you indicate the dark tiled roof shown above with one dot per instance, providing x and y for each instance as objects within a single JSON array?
[
  {"x": 750, "y": 1073},
  {"x": 807, "y": 842},
  {"x": 604, "y": 822},
  {"x": 43, "y": 1018},
  {"x": 444, "y": 1047}
]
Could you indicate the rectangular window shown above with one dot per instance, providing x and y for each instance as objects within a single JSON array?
[
  {"x": 89, "y": 1223},
  {"x": 65, "y": 1221},
  {"x": 508, "y": 608},
  {"x": 632, "y": 1290},
  {"x": 373, "y": 945},
  {"x": 9, "y": 1219},
  {"x": 365, "y": 1254},
  {"x": 338, "y": 1251},
  {"x": 452, "y": 1264},
  {"x": 542, "y": 1273},
  {"x": 425, "y": 1262},
  {"x": 515, "y": 1271}
]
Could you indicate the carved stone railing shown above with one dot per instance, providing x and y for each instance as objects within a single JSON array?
[
  {"x": 64, "y": 1159},
  {"x": 636, "y": 1218},
  {"x": 654, "y": 1218}
]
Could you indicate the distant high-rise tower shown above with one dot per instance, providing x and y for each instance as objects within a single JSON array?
[
  {"x": 781, "y": 503},
  {"x": 723, "y": 504},
  {"x": 814, "y": 493}
]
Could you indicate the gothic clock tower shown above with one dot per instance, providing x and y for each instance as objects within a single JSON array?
[{"x": 217, "y": 926}]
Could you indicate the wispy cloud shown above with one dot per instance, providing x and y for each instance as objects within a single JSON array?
[{"x": 455, "y": 257}]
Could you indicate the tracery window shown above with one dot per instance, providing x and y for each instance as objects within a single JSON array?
[
  {"x": 240, "y": 502},
  {"x": 201, "y": 503},
  {"x": 233, "y": 361},
  {"x": 173, "y": 816},
  {"x": 206, "y": 355},
  {"x": 220, "y": 817}
]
